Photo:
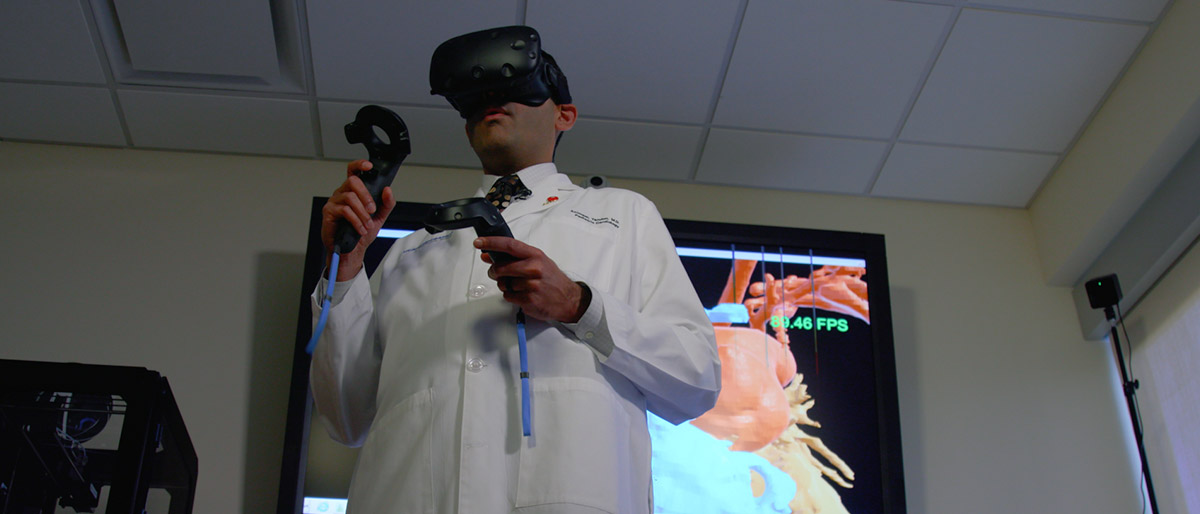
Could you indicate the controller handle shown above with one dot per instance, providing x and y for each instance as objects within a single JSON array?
[
  {"x": 385, "y": 159},
  {"x": 470, "y": 212}
]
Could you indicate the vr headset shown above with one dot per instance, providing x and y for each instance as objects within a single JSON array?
[{"x": 494, "y": 67}]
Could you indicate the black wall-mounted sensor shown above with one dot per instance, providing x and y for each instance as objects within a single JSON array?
[{"x": 1103, "y": 291}]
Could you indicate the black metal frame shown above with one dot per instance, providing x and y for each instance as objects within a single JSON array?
[{"x": 151, "y": 418}]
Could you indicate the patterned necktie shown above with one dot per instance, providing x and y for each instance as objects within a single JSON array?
[{"x": 507, "y": 190}]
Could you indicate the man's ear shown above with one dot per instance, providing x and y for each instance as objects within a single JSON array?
[{"x": 567, "y": 114}]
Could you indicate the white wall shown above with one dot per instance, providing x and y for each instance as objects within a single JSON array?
[
  {"x": 189, "y": 264},
  {"x": 1148, "y": 122}
]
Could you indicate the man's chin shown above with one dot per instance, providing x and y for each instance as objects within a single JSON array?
[
  {"x": 488, "y": 129},
  {"x": 489, "y": 145}
]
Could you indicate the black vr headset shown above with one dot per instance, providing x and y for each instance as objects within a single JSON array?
[{"x": 494, "y": 67}]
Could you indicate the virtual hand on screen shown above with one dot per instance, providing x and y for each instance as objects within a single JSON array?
[
  {"x": 533, "y": 282},
  {"x": 352, "y": 202}
]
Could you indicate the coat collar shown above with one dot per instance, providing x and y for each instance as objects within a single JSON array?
[{"x": 546, "y": 183}]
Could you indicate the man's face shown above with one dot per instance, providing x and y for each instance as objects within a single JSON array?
[{"x": 513, "y": 129}]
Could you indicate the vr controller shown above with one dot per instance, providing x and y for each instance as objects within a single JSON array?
[
  {"x": 385, "y": 159},
  {"x": 470, "y": 212}
]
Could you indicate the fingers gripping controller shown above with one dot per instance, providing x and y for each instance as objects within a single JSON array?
[
  {"x": 385, "y": 157},
  {"x": 470, "y": 212}
]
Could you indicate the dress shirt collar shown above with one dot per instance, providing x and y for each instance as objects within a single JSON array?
[{"x": 529, "y": 176}]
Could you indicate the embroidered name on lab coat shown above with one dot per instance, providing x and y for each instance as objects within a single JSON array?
[
  {"x": 597, "y": 221},
  {"x": 423, "y": 244}
]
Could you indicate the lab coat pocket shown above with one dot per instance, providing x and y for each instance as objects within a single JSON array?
[
  {"x": 579, "y": 452},
  {"x": 395, "y": 467}
]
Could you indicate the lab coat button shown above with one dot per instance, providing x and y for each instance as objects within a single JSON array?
[
  {"x": 478, "y": 290},
  {"x": 475, "y": 365},
  {"x": 589, "y": 335}
]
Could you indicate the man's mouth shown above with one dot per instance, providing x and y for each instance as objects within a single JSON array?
[{"x": 493, "y": 113}]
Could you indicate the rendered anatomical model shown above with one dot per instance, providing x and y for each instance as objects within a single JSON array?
[
  {"x": 833, "y": 288},
  {"x": 751, "y": 410},
  {"x": 792, "y": 452},
  {"x": 763, "y": 402}
]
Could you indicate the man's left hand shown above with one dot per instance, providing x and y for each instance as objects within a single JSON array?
[{"x": 533, "y": 282}]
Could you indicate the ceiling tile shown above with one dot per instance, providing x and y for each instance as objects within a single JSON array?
[
  {"x": 268, "y": 126},
  {"x": 963, "y": 175},
  {"x": 842, "y": 67},
  {"x": 63, "y": 114},
  {"x": 790, "y": 162},
  {"x": 658, "y": 61},
  {"x": 1019, "y": 81},
  {"x": 47, "y": 41},
  {"x": 629, "y": 150},
  {"x": 438, "y": 136},
  {"x": 1139, "y": 10},
  {"x": 225, "y": 46},
  {"x": 214, "y": 37},
  {"x": 379, "y": 51}
]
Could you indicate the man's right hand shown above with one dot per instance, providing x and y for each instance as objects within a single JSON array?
[{"x": 352, "y": 202}]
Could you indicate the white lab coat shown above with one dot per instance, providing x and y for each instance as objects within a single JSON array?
[{"x": 424, "y": 372}]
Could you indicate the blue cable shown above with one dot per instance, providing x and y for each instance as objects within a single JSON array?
[
  {"x": 526, "y": 422},
  {"x": 526, "y": 397},
  {"x": 312, "y": 343}
]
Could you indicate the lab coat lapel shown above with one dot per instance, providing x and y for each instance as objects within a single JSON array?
[{"x": 546, "y": 193}]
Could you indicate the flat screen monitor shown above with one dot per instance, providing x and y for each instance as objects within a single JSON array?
[{"x": 807, "y": 419}]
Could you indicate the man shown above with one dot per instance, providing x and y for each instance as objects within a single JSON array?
[{"x": 423, "y": 372}]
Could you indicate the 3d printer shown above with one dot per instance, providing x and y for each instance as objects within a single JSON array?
[{"x": 78, "y": 436}]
